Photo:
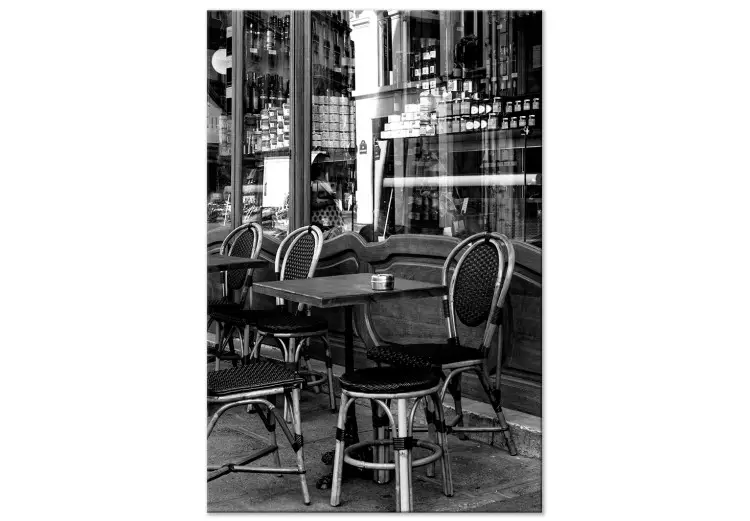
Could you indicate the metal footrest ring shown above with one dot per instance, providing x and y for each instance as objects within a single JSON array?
[{"x": 437, "y": 453}]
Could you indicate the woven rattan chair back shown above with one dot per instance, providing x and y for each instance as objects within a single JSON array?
[
  {"x": 479, "y": 284},
  {"x": 243, "y": 241},
  {"x": 297, "y": 256}
]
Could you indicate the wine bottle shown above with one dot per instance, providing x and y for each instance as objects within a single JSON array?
[
  {"x": 229, "y": 61},
  {"x": 271, "y": 44}
]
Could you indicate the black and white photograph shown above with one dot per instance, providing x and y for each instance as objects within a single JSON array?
[
  {"x": 374, "y": 236},
  {"x": 348, "y": 210}
]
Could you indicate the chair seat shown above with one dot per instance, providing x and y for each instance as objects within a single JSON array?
[
  {"x": 422, "y": 355},
  {"x": 240, "y": 316},
  {"x": 222, "y": 303},
  {"x": 388, "y": 380},
  {"x": 252, "y": 377},
  {"x": 291, "y": 324}
]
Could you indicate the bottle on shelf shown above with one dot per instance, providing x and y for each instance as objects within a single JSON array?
[
  {"x": 251, "y": 46},
  {"x": 287, "y": 38},
  {"x": 251, "y": 97},
  {"x": 229, "y": 61},
  {"x": 271, "y": 43},
  {"x": 263, "y": 89}
]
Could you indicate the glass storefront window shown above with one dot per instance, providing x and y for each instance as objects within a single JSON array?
[
  {"x": 267, "y": 120},
  {"x": 218, "y": 121},
  {"x": 332, "y": 173},
  {"x": 439, "y": 131}
]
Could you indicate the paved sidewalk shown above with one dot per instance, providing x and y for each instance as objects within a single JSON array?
[{"x": 485, "y": 478}]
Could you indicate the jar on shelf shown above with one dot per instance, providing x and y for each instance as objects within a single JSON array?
[
  {"x": 455, "y": 124},
  {"x": 522, "y": 121},
  {"x": 513, "y": 122},
  {"x": 535, "y": 104},
  {"x": 465, "y": 107},
  {"x": 456, "y": 107},
  {"x": 532, "y": 120},
  {"x": 492, "y": 121},
  {"x": 517, "y": 106},
  {"x": 527, "y": 104},
  {"x": 497, "y": 105},
  {"x": 505, "y": 124},
  {"x": 508, "y": 107},
  {"x": 474, "y": 108},
  {"x": 442, "y": 111},
  {"x": 484, "y": 122},
  {"x": 464, "y": 124}
]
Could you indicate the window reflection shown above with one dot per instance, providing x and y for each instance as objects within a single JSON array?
[{"x": 443, "y": 132}]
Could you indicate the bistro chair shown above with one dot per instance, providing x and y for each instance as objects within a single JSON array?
[
  {"x": 477, "y": 290},
  {"x": 259, "y": 384},
  {"x": 381, "y": 385},
  {"x": 296, "y": 258},
  {"x": 243, "y": 241}
]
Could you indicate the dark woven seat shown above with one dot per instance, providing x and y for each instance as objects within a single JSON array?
[
  {"x": 222, "y": 304},
  {"x": 241, "y": 317},
  {"x": 387, "y": 380},
  {"x": 422, "y": 355},
  {"x": 291, "y": 324},
  {"x": 252, "y": 377}
]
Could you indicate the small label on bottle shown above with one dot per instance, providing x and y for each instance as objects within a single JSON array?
[{"x": 272, "y": 51}]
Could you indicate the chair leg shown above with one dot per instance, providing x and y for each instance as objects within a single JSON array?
[
  {"x": 245, "y": 344},
  {"x": 379, "y": 422},
  {"x": 219, "y": 333},
  {"x": 254, "y": 356},
  {"x": 272, "y": 429},
  {"x": 300, "y": 441},
  {"x": 403, "y": 460},
  {"x": 494, "y": 396},
  {"x": 338, "y": 457},
  {"x": 442, "y": 438},
  {"x": 429, "y": 414},
  {"x": 329, "y": 373},
  {"x": 454, "y": 387},
  {"x": 306, "y": 358}
]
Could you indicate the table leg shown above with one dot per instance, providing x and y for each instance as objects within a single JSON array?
[{"x": 351, "y": 431}]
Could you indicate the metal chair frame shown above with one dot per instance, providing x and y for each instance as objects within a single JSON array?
[
  {"x": 402, "y": 425},
  {"x": 271, "y": 418},
  {"x": 292, "y": 353},
  {"x": 227, "y": 247},
  {"x": 452, "y": 379}
]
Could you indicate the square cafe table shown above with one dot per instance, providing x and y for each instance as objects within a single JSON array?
[
  {"x": 226, "y": 262},
  {"x": 346, "y": 291}
]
